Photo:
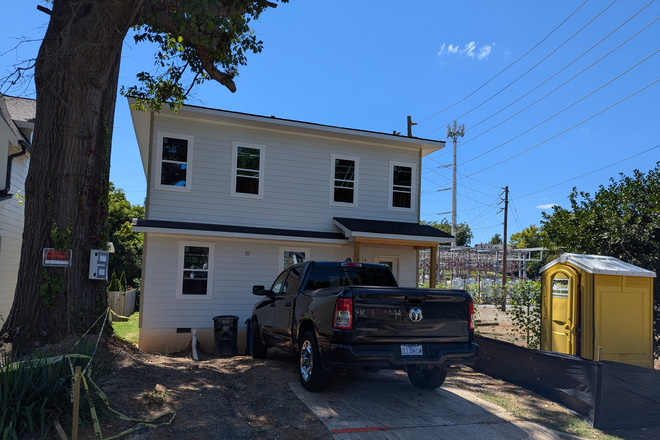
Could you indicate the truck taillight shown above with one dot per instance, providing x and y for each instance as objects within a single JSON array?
[
  {"x": 343, "y": 314},
  {"x": 471, "y": 318}
]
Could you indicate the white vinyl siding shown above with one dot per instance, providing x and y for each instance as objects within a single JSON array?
[
  {"x": 248, "y": 162},
  {"x": 402, "y": 186},
  {"x": 237, "y": 266},
  {"x": 11, "y": 232},
  {"x": 174, "y": 159},
  {"x": 296, "y": 194}
]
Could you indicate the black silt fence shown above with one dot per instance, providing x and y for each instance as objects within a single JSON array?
[{"x": 610, "y": 394}]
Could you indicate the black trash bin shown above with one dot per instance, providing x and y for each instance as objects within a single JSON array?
[{"x": 225, "y": 335}]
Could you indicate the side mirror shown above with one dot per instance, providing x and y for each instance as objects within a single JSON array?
[{"x": 258, "y": 290}]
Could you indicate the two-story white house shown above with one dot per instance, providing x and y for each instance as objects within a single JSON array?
[
  {"x": 233, "y": 199},
  {"x": 16, "y": 127}
]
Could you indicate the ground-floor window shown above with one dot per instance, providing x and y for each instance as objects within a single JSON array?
[
  {"x": 290, "y": 256},
  {"x": 195, "y": 270}
]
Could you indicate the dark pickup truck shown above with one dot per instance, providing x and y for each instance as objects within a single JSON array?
[{"x": 335, "y": 315}]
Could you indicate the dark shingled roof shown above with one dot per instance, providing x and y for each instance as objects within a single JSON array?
[
  {"x": 393, "y": 228},
  {"x": 238, "y": 229}
]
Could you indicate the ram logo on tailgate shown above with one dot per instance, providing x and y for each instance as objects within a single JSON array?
[{"x": 415, "y": 315}]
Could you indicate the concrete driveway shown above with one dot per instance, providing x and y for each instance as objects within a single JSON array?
[{"x": 385, "y": 405}]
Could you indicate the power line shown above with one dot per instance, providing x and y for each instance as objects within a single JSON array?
[
  {"x": 552, "y": 91},
  {"x": 590, "y": 172},
  {"x": 509, "y": 66},
  {"x": 561, "y": 111},
  {"x": 531, "y": 68}
]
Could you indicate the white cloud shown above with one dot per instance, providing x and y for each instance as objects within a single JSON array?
[
  {"x": 469, "y": 49},
  {"x": 548, "y": 206},
  {"x": 484, "y": 52}
]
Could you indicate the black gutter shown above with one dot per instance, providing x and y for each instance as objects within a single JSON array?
[{"x": 4, "y": 192}]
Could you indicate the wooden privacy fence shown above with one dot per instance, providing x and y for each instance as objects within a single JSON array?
[
  {"x": 610, "y": 394},
  {"x": 122, "y": 303}
]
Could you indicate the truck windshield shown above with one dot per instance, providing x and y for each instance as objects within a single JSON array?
[{"x": 336, "y": 276}]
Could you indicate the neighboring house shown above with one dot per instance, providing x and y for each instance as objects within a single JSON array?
[
  {"x": 233, "y": 199},
  {"x": 16, "y": 126}
]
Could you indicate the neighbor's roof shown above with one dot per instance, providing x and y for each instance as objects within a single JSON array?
[
  {"x": 379, "y": 229},
  {"x": 599, "y": 264},
  {"x": 21, "y": 109}
]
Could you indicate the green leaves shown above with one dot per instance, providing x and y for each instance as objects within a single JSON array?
[
  {"x": 206, "y": 39},
  {"x": 525, "y": 311},
  {"x": 463, "y": 232}
]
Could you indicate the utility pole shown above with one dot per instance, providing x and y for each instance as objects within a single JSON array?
[
  {"x": 453, "y": 133},
  {"x": 504, "y": 248}
]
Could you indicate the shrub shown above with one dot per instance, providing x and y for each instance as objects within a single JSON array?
[
  {"x": 122, "y": 282},
  {"x": 525, "y": 311},
  {"x": 114, "y": 283},
  {"x": 34, "y": 392}
]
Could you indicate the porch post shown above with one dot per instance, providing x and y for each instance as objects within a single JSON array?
[
  {"x": 433, "y": 281},
  {"x": 356, "y": 252}
]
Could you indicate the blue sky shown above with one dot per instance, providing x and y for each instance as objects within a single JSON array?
[{"x": 531, "y": 123}]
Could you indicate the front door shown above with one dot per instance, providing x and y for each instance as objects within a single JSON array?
[
  {"x": 563, "y": 295},
  {"x": 392, "y": 262}
]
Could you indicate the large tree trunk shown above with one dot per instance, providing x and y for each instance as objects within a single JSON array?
[{"x": 66, "y": 189}]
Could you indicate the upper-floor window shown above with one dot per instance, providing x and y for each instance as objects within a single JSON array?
[
  {"x": 174, "y": 161},
  {"x": 344, "y": 175},
  {"x": 401, "y": 186},
  {"x": 248, "y": 166},
  {"x": 195, "y": 270}
]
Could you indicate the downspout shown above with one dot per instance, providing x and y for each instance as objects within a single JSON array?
[{"x": 11, "y": 157}]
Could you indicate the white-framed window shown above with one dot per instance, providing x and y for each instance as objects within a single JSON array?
[
  {"x": 344, "y": 180},
  {"x": 248, "y": 170},
  {"x": 401, "y": 194},
  {"x": 195, "y": 277},
  {"x": 174, "y": 170},
  {"x": 293, "y": 255}
]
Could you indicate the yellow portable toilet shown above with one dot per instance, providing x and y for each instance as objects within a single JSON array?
[{"x": 593, "y": 302}]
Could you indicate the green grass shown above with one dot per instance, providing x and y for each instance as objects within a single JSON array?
[
  {"x": 128, "y": 330},
  {"x": 557, "y": 420}
]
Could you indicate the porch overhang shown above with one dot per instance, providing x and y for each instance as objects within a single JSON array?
[{"x": 393, "y": 233}]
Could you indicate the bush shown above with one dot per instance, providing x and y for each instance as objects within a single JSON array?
[
  {"x": 34, "y": 392},
  {"x": 122, "y": 282},
  {"x": 114, "y": 283},
  {"x": 525, "y": 311}
]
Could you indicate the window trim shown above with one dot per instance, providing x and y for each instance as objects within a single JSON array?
[
  {"x": 159, "y": 160},
  {"x": 390, "y": 192},
  {"x": 234, "y": 169},
  {"x": 307, "y": 252},
  {"x": 333, "y": 158},
  {"x": 180, "y": 269}
]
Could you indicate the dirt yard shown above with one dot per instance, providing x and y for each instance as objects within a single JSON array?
[{"x": 243, "y": 398}]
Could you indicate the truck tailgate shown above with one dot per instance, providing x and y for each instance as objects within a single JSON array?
[{"x": 420, "y": 314}]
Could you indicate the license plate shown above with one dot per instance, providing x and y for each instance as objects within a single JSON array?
[{"x": 411, "y": 350}]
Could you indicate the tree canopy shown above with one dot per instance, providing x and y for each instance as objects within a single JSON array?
[
  {"x": 621, "y": 220},
  {"x": 76, "y": 81},
  {"x": 463, "y": 232}
]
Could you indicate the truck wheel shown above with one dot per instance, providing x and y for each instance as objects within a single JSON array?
[
  {"x": 428, "y": 379},
  {"x": 259, "y": 349},
  {"x": 312, "y": 375}
]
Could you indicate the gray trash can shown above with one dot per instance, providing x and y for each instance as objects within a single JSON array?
[{"x": 225, "y": 335}]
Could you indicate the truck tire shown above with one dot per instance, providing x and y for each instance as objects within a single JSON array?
[
  {"x": 259, "y": 350},
  {"x": 428, "y": 379},
  {"x": 312, "y": 375}
]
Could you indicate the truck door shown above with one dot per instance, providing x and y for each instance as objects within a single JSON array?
[
  {"x": 283, "y": 313},
  {"x": 564, "y": 287},
  {"x": 266, "y": 309}
]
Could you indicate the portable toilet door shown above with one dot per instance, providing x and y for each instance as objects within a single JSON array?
[{"x": 560, "y": 314}]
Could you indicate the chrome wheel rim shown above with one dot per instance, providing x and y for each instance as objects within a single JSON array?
[{"x": 306, "y": 362}]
